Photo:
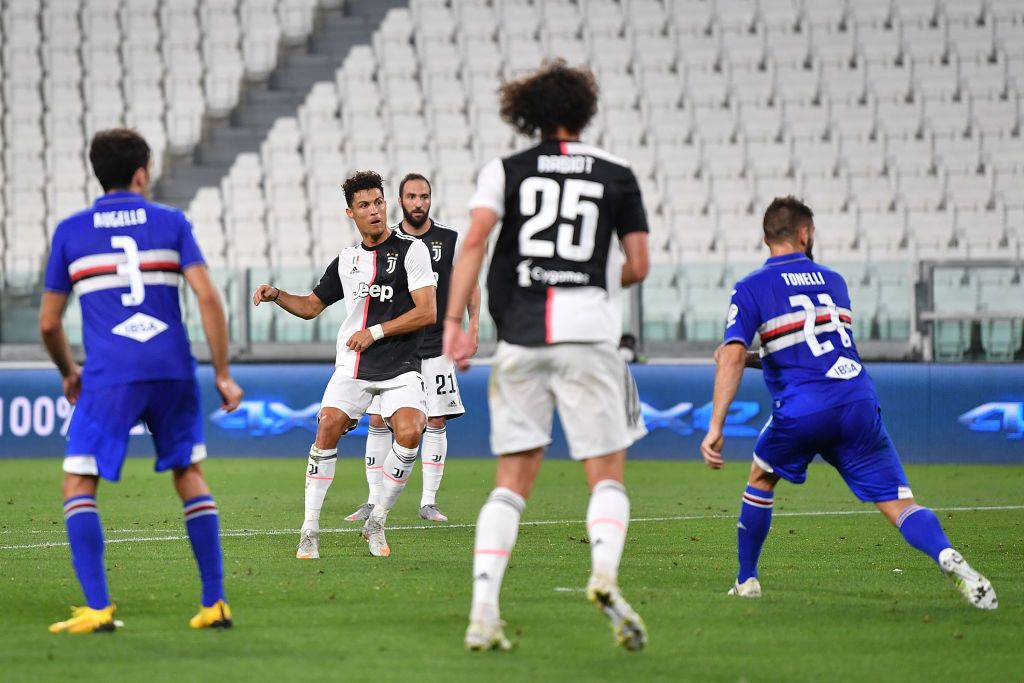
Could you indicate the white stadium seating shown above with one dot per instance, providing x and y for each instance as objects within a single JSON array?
[{"x": 899, "y": 121}]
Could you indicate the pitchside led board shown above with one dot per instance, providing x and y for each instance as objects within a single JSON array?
[{"x": 935, "y": 413}]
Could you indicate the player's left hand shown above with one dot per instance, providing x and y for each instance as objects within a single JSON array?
[
  {"x": 711, "y": 449},
  {"x": 360, "y": 341},
  {"x": 458, "y": 345},
  {"x": 72, "y": 383}
]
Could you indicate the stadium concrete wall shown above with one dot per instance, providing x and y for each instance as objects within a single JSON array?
[{"x": 935, "y": 413}]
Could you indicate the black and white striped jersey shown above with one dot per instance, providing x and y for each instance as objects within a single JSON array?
[
  {"x": 375, "y": 283},
  {"x": 555, "y": 273},
  {"x": 441, "y": 241}
]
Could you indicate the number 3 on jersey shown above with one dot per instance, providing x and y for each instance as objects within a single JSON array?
[
  {"x": 130, "y": 268},
  {"x": 810, "y": 321},
  {"x": 542, "y": 200}
]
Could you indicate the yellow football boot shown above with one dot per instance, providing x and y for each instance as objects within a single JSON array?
[
  {"x": 216, "y": 616},
  {"x": 87, "y": 620}
]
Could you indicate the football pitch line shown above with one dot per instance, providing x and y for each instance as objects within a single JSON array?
[{"x": 241, "y": 533}]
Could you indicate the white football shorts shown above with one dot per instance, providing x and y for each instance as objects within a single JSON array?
[
  {"x": 354, "y": 396},
  {"x": 589, "y": 384},
  {"x": 442, "y": 383}
]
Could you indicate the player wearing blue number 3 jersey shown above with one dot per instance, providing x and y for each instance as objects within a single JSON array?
[
  {"x": 125, "y": 258},
  {"x": 823, "y": 401}
]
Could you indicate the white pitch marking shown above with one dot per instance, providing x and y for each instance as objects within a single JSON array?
[{"x": 239, "y": 533}]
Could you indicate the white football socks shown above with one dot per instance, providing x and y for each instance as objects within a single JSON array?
[
  {"x": 496, "y": 530},
  {"x": 319, "y": 475},
  {"x": 378, "y": 444},
  {"x": 397, "y": 468},
  {"x": 435, "y": 450},
  {"x": 607, "y": 522}
]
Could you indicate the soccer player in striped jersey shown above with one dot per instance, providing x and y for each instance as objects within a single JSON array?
[
  {"x": 444, "y": 401},
  {"x": 125, "y": 258},
  {"x": 569, "y": 211},
  {"x": 388, "y": 289},
  {"x": 824, "y": 402}
]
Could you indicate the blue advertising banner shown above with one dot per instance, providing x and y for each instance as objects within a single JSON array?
[{"x": 935, "y": 413}]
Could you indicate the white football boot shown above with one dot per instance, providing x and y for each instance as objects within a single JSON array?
[
  {"x": 975, "y": 587},
  {"x": 751, "y": 588},
  {"x": 482, "y": 636},
  {"x": 362, "y": 513},
  {"x": 630, "y": 631},
  {"x": 373, "y": 532},
  {"x": 309, "y": 545}
]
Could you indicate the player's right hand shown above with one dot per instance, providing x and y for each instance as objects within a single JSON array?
[
  {"x": 230, "y": 393},
  {"x": 265, "y": 293},
  {"x": 711, "y": 449},
  {"x": 72, "y": 383}
]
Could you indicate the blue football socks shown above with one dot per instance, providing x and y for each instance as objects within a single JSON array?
[
  {"x": 752, "y": 529},
  {"x": 85, "y": 534},
  {"x": 922, "y": 530},
  {"x": 203, "y": 525}
]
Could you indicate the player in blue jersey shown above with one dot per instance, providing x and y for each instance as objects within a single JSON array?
[
  {"x": 823, "y": 401},
  {"x": 125, "y": 258}
]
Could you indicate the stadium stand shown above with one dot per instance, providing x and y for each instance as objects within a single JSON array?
[{"x": 898, "y": 122}]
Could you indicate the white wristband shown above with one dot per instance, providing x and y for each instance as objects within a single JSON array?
[{"x": 377, "y": 332}]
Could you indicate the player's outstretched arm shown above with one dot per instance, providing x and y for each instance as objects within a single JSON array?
[
  {"x": 729, "y": 361},
  {"x": 52, "y": 330},
  {"x": 305, "y": 307},
  {"x": 422, "y": 313},
  {"x": 216, "y": 328},
  {"x": 638, "y": 259}
]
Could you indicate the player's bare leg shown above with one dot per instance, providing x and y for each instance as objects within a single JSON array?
[
  {"x": 202, "y": 522},
  {"x": 435, "y": 452},
  {"x": 407, "y": 425},
  {"x": 607, "y": 522},
  {"x": 323, "y": 457},
  {"x": 378, "y": 444},
  {"x": 85, "y": 534},
  {"x": 923, "y": 531},
  {"x": 496, "y": 530},
  {"x": 752, "y": 529}
]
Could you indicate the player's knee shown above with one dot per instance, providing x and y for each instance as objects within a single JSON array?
[
  {"x": 377, "y": 422},
  {"x": 436, "y": 423},
  {"x": 408, "y": 433},
  {"x": 78, "y": 485},
  {"x": 331, "y": 425}
]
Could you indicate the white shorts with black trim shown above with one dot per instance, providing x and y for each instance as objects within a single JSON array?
[
  {"x": 442, "y": 383},
  {"x": 589, "y": 384},
  {"x": 354, "y": 396}
]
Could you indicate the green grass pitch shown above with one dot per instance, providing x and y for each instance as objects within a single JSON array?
[{"x": 845, "y": 598}]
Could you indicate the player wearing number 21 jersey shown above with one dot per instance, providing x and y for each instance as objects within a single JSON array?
[
  {"x": 569, "y": 213},
  {"x": 126, "y": 260},
  {"x": 823, "y": 401}
]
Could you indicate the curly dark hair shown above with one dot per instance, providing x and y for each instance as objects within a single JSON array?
[
  {"x": 554, "y": 95},
  {"x": 115, "y": 155},
  {"x": 361, "y": 180},
  {"x": 784, "y": 217}
]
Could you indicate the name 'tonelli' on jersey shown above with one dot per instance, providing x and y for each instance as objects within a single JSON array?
[
  {"x": 376, "y": 284},
  {"x": 555, "y": 273}
]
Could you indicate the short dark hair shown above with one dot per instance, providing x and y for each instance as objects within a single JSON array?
[
  {"x": 115, "y": 155},
  {"x": 784, "y": 218},
  {"x": 554, "y": 95},
  {"x": 359, "y": 181},
  {"x": 413, "y": 176}
]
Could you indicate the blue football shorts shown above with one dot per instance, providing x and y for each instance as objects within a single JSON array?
[
  {"x": 99, "y": 431},
  {"x": 850, "y": 437}
]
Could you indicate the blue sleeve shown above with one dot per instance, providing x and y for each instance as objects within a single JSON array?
[
  {"x": 743, "y": 319},
  {"x": 188, "y": 248},
  {"x": 57, "y": 277}
]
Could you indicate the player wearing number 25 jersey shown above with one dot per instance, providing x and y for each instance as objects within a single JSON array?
[
  {"x": 126, "y": 260},
  {"x": 824, "y": 403},
  {"x": 569, "y": 212}
]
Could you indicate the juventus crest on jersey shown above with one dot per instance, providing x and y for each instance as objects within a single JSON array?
[
  {"x": 376, "y": 283},
  {"x": 441, "y": 241},
  {"x": 555, "y": 273}
]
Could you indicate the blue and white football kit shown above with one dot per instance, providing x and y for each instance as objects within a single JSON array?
[
  {"x": 124, "y": 258},
  {"x": 823, "y": 401}
]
